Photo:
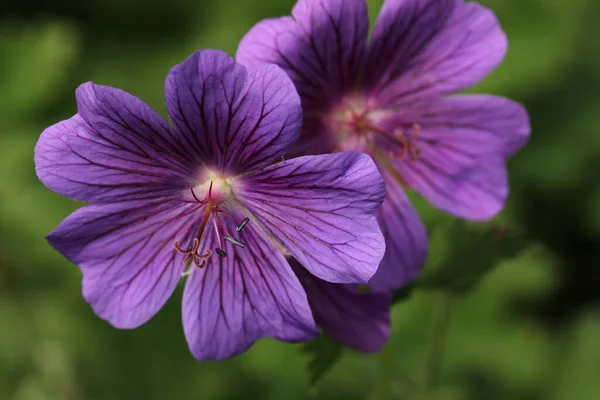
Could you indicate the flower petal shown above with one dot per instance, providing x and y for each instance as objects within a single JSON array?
[
  {"x": 360, "y": 320},
  {"x": 322, "y": 210},
  {"x": 476, "y": 190},
  {"x": 249, "y": 294},
  {"x": 126, "y": 254},
  {"x": 322, "y": 48},
  {"x": 481, "y": 124},
  {"x": 405, "y": 240},
  {"x": 235, "y": 119},
  {"x": 427, "y": 48},
  {"x": 464, "y": 143},
  {"x": 115, "y": 148}
]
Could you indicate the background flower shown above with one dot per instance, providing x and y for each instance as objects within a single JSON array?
[{"x": 386, "y": 96}]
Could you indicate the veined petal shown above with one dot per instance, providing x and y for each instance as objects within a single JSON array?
[
  {"x": 322, "y": 48},
  {"x": 479, "y": 124},
  {"x": 428, "y": 48},
  {"x": 115, "y": 148},
  {"x": 249, "y": 294},
  {"x": 405, "y": 239},
  {"x": 476, "y": 190},
  {"x": 360, "y": 320},
  {"x": 464, "y": 143},
  {"x": 322, "y": 210},
  {"x": 235, "y": 119},
  {"x": 126, "y": 254}
]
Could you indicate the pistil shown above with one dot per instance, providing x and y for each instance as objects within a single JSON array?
[{"x": 212, "y": 208}]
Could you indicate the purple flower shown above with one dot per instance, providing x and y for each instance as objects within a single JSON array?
[
  {"x": 390, "y": 97},
  {"x": 209, "y": 198}
]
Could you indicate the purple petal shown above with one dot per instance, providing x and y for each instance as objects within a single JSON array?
[
  {"x": 427, "y": 48},
  {"x": 480, "y": 124},
  {"x": 464, "y": 143},
  {"x": 249, "y": 294},
  {"x": 472, "y": 126},
  {"x": 405, "y": 240},
  {"x": 322, "y": 210},
  {"x": 126, "y": 254},
  {"x": 115, "y": 148},
  {"x": 235, "y": 119},
  {"x": 475, "y": 190},
  {"x": 360, "y": 320},
  {"x": 322, "y": 48}
]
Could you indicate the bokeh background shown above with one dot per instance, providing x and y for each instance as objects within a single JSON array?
[{"x": 529, "y": 330}]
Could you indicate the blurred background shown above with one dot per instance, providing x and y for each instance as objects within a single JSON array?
[{"x": 530, "y": 329}]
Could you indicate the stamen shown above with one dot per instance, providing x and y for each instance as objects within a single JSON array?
[
  {"x": 242, "y": 224},
  {"x": 211, "y": 207},
  {"x": 226, "y": 214},
  {"x": 234, "y": 241},
  {"x": 217, "y": 232},
  {"x": 409, "y": 148},
  {"x": 216, "y": 216},
  {"x": 220, "y": 252}
]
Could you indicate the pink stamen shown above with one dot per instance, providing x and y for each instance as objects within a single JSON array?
[
  {"x": 231, "y": 217},
  {"x": 217, "y": 232},
  {"x": 216, "y": 216}
]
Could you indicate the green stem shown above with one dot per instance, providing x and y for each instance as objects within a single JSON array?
[
  {"x": 381, "y": 391},
  {"x": 437, "y": 344},
  {"x": 392, "y": 379}
]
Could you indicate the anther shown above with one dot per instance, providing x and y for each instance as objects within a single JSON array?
[
  {"x": 220, "y": 252},
  {"x": 234, "y": 241},
  {"x": 242, "y": 224},
  {"x": 409, "y": 148}
]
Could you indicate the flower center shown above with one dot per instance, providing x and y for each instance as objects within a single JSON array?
[
  {"x": 358, "y": 128},
  {"x": 216, "y": 192}
]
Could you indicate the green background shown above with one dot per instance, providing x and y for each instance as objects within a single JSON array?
[{"x": 529, "y": 330}]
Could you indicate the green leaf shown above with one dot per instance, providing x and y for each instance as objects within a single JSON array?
[
  {"x": 465, "y": 252},
  {"x": 324, "y": 352}
]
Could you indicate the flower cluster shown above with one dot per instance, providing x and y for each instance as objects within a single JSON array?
[{"x": 279, "y": 185}]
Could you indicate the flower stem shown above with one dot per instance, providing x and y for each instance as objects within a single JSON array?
[
  {"x": 393, "y": 381},
  {"x": 437, "y": 341},
  {"x": 381, "y": 391}
]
